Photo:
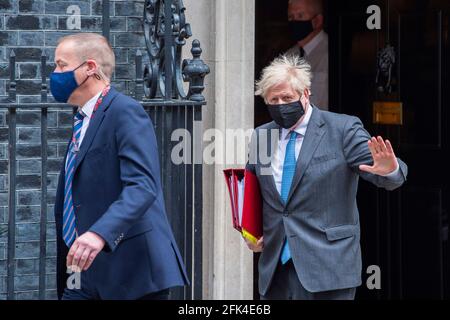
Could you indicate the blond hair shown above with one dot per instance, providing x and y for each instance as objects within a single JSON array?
[
  {"x": 96, "y": 47},
  {"x": 289, "y": 69}
]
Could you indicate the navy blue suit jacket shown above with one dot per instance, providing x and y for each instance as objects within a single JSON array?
[{"x": 117, "y": 194}]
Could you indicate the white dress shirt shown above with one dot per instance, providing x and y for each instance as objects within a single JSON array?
[
  {"x": 279, "y": 155},
  {"x": 87, "y": 109},
  {"x": 310, "y": 46}
]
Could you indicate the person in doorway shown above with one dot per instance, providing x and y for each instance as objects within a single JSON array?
[{"x": 306, "y": 23}]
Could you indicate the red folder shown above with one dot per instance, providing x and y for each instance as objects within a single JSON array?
[{"x": 246, "y": 202}]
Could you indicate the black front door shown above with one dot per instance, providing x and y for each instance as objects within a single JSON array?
[{"x": 404, "y": 232}]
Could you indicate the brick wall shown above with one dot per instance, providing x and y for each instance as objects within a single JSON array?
[{"x": 32, "y": 27}]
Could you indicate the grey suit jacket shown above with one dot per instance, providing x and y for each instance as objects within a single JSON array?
[{"x": 321, "y": 218}]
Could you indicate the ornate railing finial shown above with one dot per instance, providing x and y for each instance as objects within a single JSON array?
[
  {"x": 195, "y": 71},
  {"x": 165, "y": 31}
]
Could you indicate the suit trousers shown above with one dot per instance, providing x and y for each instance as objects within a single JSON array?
[
  {"x": 287, "y": 286},
  {"x": 88, "y": 292}
]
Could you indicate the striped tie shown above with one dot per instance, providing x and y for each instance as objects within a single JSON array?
[
  {"x": 286, "y": 182},
  {"x": 69, "y": 230}
]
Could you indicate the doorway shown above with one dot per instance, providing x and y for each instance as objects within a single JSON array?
[{"x": 404, "y": 232}]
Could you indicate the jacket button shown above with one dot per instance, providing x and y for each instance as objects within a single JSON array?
[{"x": 286, "y": 213}]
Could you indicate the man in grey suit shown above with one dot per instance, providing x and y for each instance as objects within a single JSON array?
[
  {"x": 306, "y": 23},
  {"x": 309, "y": 180}
]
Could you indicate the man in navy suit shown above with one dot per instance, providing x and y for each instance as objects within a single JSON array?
[{"x": 111, "y": 223}]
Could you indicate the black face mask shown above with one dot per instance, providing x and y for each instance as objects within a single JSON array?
[
  {"x": 300, "y": 29},
  {"x": 287, "y": 115}
]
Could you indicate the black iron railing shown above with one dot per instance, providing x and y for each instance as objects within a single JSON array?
[{"x": 159, "y": 88}]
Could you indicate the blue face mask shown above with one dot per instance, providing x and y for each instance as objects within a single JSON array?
[{"x": 63, "y": 84}]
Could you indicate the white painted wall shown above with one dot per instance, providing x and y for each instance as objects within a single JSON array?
[{"x": 225, "y": 29}]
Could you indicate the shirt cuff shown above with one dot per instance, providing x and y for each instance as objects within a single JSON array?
[{"x": 393, "y": 174}]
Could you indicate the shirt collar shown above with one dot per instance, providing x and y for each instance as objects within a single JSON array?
[
  {"x": 301, "y": 128},
  {"x": 310, "y": 46},
  {"x": 88, "y": 107}
]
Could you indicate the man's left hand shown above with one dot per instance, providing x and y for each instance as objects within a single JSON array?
[
  {"x": 84, "y": 250},
  {"x": 384, "y": 159}
]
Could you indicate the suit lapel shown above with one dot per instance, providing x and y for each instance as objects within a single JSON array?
[
  {"x": 94, "y": 124},
  {"x": 313, "y": 136}
]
